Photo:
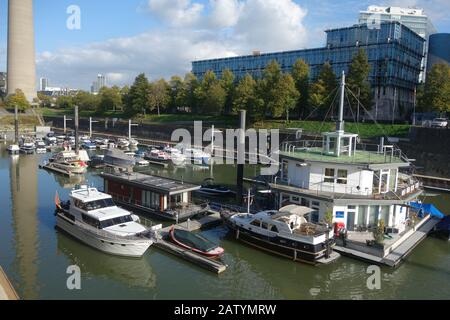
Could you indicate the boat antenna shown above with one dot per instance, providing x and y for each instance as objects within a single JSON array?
[{"x": 340, "y": 123}]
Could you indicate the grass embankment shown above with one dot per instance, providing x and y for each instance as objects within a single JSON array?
[
  {"x": 365, "y": 130},
  {"x": 24, "y": 120}
]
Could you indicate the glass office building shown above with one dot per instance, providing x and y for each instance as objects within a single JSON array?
[
  {"x": 395, "y": 53},
  {"x": 439, "y": 51},
  {"x": 413, "y": 18}
]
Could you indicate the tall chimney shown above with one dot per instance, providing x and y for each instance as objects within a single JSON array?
[{"x": 21, "y": 50}]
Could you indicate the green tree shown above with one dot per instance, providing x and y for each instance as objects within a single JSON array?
[
  {"x": 300, "y": 73},
  {"x": 267, "y": 87},
  {"x": 44, "y": 100},
  {"x": 137, "y": 101},
  {"x": 159, "y": 96},
  {"x": 110, "y": 99},
  {"x": 188, "y": 98},
  {"x": 286, "y": 98},
  {"x": 358, "y": 80},
  {"x": 318, "y": 94},
  {"x": 176, "y": 93},
  {"x": 246, "y": 98},
  {"x": 227, "y": 82},
  {"x": 210, "y": 95},
  {"x": 17, "y": 99},
  {"x": 328, "y": 80},
  {"x": 436, "y": 92},
  {"x": 65, "y": 102},
  {"x": 86, "y": 101}
]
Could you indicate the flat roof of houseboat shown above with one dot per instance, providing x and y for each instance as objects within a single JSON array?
[
  {"x": 359, "y": 157},
  {"x": 149, "y": 182}
]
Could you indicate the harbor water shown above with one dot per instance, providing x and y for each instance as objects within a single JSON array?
[{"x": 36, "y": 257}]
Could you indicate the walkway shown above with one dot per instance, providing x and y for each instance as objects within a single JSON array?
[{"x": 7, "y": 291}]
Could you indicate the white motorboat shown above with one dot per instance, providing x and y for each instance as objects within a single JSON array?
[
  {"x": 41, "y": 147},
  {"x": 69, "y": 161},
  {"x": 123, "y": 143},
  {"x": 177, "y": 157},
  {"x": 28, "y": 147},
  {"x": 157, "y": 155},
  {"x": 134, "y": 143},
  {"x": 142, "y": 163},
  {"x": 13, "y": 149},
  {"x": 101, "y": 144},
  {"x": 285, "y": 232},
  {"x": 198, "y": 156},
  {"x": 93, "y": 218}
]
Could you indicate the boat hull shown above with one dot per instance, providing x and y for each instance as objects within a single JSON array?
[
  {"x": 113, "y": 246},
  {"x": 295, "y": 250}
]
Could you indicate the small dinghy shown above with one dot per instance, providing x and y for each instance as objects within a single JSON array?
[
  {"x": 209, "y": 188},
  {"x": 195, "y": 243}
]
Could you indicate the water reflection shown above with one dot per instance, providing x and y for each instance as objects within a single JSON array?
[
  {"x": 132, "y": 272},
  {"x": 23, "y": 185}
]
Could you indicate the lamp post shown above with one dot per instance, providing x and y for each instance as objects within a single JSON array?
[
  {"x": 65, "y": 123},
  {"x": 90, "y": 126},
  {"x": 130, "y": 125}
]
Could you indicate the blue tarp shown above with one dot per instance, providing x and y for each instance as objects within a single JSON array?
[{"x": 428, "y": 209}]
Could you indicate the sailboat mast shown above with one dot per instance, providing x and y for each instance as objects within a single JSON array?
[{"x": 340, "y": 123}]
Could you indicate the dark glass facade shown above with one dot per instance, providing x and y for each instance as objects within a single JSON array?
[
  {"x": 439, "y": 49},
  {"x": 394, "y": 52}
]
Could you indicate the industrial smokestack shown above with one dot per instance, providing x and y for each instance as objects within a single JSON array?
[{"x": 21, "y": 50}]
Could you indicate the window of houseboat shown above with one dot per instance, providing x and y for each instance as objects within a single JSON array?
[
  {"x": 150, "y": 199},
  {"x": 342, "y": 176},
  {"x": 329, "y": 175},
  {"x": 315, "y": 214},
  {"x": 274, "y": 229},
  {"x": 284, "y": 170},
  {"x": 264, "y": 225}
]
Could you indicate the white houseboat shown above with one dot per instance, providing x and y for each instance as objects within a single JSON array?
[{"x": 361, "y": 185}]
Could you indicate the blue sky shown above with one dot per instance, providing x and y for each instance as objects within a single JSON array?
[{"x": 160, "y": 37}]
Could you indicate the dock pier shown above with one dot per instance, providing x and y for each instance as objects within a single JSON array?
[
  {"x": 398, "y": 253},
  {"x": 206, "y": 222}
]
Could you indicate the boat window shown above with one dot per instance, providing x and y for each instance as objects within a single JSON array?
[
  {"x": 116, "y": 221},
  {"x": 274, "y": 229},
  {"x": 256, "y": 223},
  {"x": 99, "y": 204},
  {"x": 264, "y": 226},
  {"x": 90, "y": 221}
]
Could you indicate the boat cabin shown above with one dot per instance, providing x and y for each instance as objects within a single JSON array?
[
  {"x": 163, "y": 197},
  {"x": 98, "y": 210}
]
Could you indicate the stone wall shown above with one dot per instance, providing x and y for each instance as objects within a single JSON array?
[{"x": 431, "y": 148}]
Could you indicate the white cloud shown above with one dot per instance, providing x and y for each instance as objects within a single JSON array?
[
  {"x": 180, "y": 13},
  {"x": 188, "y": 31}
]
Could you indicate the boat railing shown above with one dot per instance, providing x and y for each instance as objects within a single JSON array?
[{"x": 364, "y": 152}]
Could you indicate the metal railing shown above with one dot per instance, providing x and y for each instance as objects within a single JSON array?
[{"x": 372, "y": 152}]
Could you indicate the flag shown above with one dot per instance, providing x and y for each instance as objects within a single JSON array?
[{"x": 57, "y": 201}]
